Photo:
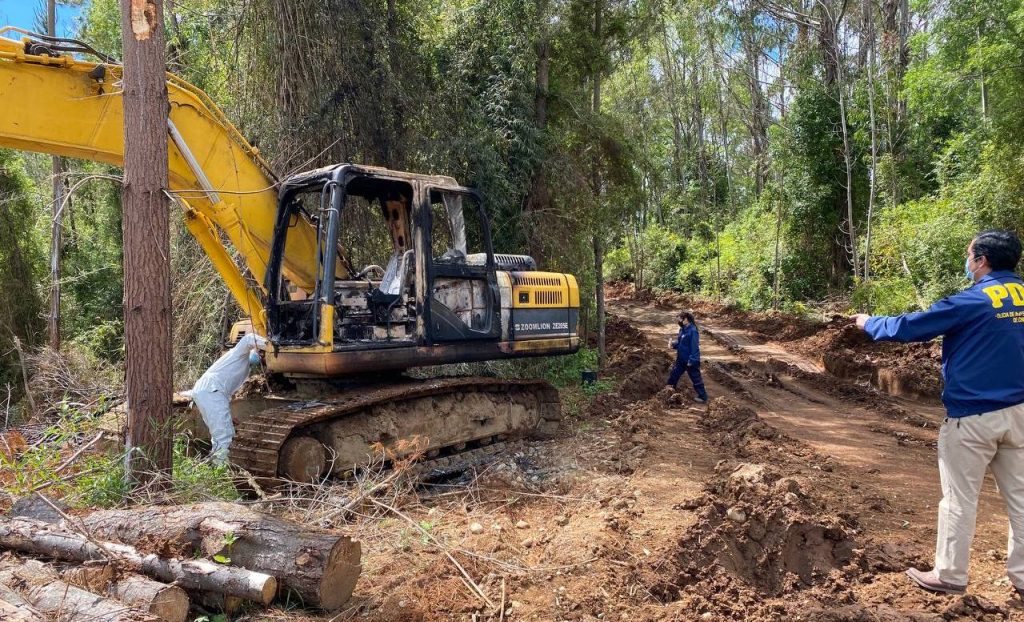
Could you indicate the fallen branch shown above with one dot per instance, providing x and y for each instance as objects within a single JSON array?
[
  {"x": 354, "y": 502},
  {"x": 14, "y": 608},
  {"x": 78, "y": 453}
]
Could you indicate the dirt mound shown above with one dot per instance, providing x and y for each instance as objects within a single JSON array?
[
  {"x": 642, "y": 368},
  {"x": 761, "y": 531},
  {"x": 644, "y": 381},
  {"x": 737, "y": 428}
]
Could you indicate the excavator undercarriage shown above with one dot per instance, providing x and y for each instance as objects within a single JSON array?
[{"x": 307, "y": 440}]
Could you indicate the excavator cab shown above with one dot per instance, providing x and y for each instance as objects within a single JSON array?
[{"x": 404, "y": 262}]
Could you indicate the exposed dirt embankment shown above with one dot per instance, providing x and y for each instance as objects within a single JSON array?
[{"x": 643, "y": 369}]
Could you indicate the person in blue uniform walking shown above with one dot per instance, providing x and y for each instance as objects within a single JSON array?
[
  {"x": 687, "y": 347},
  {"x": 983, "y": 373}
]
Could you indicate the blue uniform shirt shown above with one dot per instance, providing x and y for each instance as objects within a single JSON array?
[
  {"x": 983, "y": 347},
  {"x": 688, "y": 345}
]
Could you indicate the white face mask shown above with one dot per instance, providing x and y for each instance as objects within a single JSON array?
[{"x": 967, "y": 269}]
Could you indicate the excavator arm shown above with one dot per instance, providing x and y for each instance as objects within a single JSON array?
[{"x": 60, "y": 105}]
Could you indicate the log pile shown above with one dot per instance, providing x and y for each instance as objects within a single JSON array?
[{"x": 155, "y": 563}]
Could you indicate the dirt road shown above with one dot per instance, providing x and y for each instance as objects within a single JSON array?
[
  {"x": 868, "y": 461},
  {"x": 793, "y": 495}
]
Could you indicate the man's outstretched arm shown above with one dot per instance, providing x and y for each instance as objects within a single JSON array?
[{"x": 940, "y": 318}]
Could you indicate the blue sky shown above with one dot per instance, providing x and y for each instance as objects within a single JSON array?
[{"x": 22, "y": 13}]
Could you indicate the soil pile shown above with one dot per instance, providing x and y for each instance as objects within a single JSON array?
[
  {"x": 737, "y": 429},
  {"x": 757, "y": 531}
]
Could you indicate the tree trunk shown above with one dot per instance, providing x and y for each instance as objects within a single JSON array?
[
  {"x": 851, "y": 231},
  {"x": 982, "y": 83},
  {"x": 147, "y": 275},
  {"x": 758, "y": 115},
  {"x": 538, "y": 197},
  {"x": 34, "y": 537},
  {"x": 598, "y": 239},
  {"x": 776, "y": 276},
  {"x": 321, "y": 568},
  {"x": 678, "y": 147},
  {"x": 40, "y": 586},
  {"x": 56, "y": 243},
  {"x": 872, "y": 181}
]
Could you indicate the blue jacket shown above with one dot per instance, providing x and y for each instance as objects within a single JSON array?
[
  {"x": 983, "y": 344},
  {"x": 688, "y": 345}
]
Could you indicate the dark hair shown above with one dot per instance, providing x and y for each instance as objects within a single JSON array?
[
  {"x": 1001, "y": 247},
  {"x": 688, "y": 316}
]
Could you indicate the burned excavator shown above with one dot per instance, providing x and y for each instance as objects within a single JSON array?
[{"x": 347, "y": 270}]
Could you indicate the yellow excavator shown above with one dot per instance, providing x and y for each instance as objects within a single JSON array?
[{"x": 347, "y": 270}]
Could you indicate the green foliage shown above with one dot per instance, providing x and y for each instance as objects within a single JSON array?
[
  {"x": 21, "y": 267},
  {"x": 104, "y": 484},
  {"x": 648, "y": 258},
  {"x": 564, "y": 371}
]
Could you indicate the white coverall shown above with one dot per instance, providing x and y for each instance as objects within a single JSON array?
[{"x": 213, "y": 391}]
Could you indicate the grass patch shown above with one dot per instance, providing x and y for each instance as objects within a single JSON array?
[{"x": 192, "y": 480}]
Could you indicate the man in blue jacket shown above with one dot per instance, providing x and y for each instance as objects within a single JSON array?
[
  {"x": 687, "y": 347},
  {"x": 983, "y": 372}
]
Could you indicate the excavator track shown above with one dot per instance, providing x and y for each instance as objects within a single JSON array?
[{"x": 304, "y": 440}]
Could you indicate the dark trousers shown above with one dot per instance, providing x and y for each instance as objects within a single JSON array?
[{"x": 693, "y": 371}]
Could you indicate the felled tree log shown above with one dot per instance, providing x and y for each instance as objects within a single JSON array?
[
  {"x": 14, "y": 608},
  {"x": 168, "y": 602},
  {"x": 320, "y": 568},
  {"x": 46, "y": 540},
  {"x": 49, "y": 595}
]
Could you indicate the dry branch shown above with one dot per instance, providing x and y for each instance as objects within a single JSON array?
[{"x": 468, "y": 580}]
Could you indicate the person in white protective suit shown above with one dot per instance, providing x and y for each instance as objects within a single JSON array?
[{"x": 212, "y": 392}]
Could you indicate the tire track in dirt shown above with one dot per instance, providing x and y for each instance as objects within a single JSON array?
[{"x": 863, "y": 452}]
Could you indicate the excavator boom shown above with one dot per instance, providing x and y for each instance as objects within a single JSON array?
[{"x": 68, "y": 107}]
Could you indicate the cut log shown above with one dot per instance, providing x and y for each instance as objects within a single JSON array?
[
  {"x": 320, "y": 568},
  {"x": 46, "y": 540},
  {"x": 14, "y": 608},
  {"x": 168, "y": 602},
  {"x": 47, "y": 593}
]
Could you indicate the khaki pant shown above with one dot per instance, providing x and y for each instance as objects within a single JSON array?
[{"x": 967, "y": 446}]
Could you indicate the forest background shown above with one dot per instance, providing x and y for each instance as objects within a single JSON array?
[{"x": 771, "y": 153}]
